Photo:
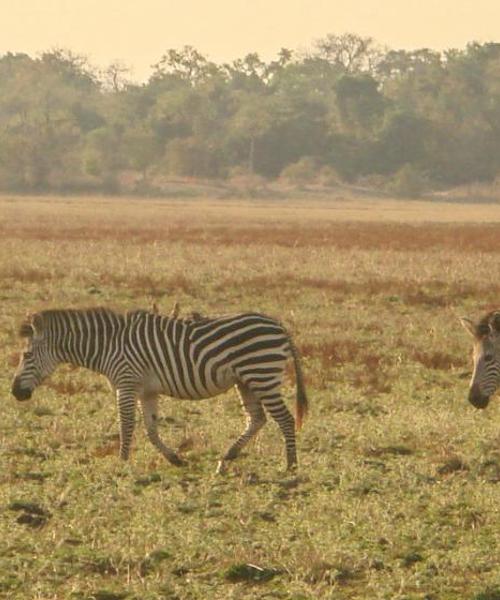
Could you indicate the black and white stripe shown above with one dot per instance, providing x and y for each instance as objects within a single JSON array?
[{"x": 145, "y": 354}]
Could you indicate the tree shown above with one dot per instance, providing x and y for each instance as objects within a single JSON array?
[
  {"x": 359, "y": 101},
  {"x": 348, "y": 103},
  {"x": 115, "y": 76},
  {"x": 253, "y": 118},
  {"x": 350, "y": 52},
  {"x": 39, "y": 107},
  {"x": 140, "y": 150},
  {"x": 402, "y": 140},
  {"x": 103, "y": 155},
  {"x": 187, "y": 64}
]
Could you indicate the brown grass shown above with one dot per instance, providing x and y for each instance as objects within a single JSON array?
[
  {"x": 439, "y": 360},
  {"x": 145, "y": 284},
  {"x": 370, "y": 366},
  {"x": 31, "y": 275},
  {"x": 361, "y": 236},
  {"x": 335, "y": 352},
  {"x": 410, "y": 292}
]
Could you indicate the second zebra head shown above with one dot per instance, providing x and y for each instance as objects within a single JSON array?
[{"x": 486, "y": 357}]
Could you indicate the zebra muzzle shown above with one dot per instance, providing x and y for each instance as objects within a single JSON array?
[
  {"x": 21, "y": 393},
  {"x": 477, "y": 399}
]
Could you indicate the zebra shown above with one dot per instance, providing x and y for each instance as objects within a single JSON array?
[
  {"x": 486, "y": 357},
  {"x": 145, "y": 354}
]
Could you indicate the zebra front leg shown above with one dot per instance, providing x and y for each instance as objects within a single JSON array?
[
  {"x": 256, "y": 419},
  {"x": 149, "y": 404},
  {"x": 274, "y": 404},
  {"x": 126, "y": 411}
]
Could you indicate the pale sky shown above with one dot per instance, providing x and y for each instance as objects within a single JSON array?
[{"x": 138, "y": 32}]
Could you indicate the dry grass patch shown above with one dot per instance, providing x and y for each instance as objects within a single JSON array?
[
  {"x": 330, "y": 233},
  {"x": 439, "y": 360},
  {"x": 335, "y": 352},
  {"x": 149, "y": 285},
  {"x": 409, "y": 292},
  {"x": 28, "y": 275}
]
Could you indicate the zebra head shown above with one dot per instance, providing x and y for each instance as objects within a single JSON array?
[
  {"x": 35, "y": 363},
  {"x": 486, "y": 357}
]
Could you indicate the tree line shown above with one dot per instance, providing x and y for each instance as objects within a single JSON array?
[{"x": 346, "y": 109}]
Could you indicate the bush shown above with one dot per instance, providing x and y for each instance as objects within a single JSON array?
[
  {"x": 191, "y": 157},
  {"x": 301, "y": 172},
  {"x": 328, "y": 176},
  {"x": 374, "y": 181},
  {"x": 241, "y": 177},
  {"x": 408, "y": 182},
  {"x": 245, "y": 183}
]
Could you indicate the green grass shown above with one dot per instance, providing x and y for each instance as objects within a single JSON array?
[{"x": 398, "y": 492}]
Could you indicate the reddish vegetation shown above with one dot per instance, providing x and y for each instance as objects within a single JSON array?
[
  {"x": 439, "y": 360},
  {"x": 370, "y": 373},
  {"x": 337, "y": 352},
  {"x": 67, "y": 386},
  {"x": 110, "y": 449},
  {"x": 368, "y": 236},
  {"x": 28, "y": 275},
  {"x": 431, "y": 293}
]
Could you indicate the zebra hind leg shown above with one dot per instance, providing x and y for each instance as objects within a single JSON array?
[
  {"x": 126, "y": 410},
  {"x": 274, "y": 405},
  {"x": 149, "y": 405},
  {"x": 256, "y": 419}
]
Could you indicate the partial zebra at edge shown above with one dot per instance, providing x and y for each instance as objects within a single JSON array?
[{"x": 485, "y": 379}]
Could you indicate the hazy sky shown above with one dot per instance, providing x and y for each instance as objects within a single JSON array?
[{"x": 139, "y": 31}]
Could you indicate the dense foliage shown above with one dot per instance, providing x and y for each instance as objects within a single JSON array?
[{"x": 345, "y": 108}]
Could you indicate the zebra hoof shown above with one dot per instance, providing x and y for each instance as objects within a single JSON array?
[
  {"x": 176, "y": 461},
  {"x": 221, "y": 468}
]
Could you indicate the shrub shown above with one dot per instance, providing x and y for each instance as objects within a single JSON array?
[
  {"x": 328, "y": 176},
  {"x": 408, "y": 182},
  {"x": 191, "y": 157},
  {"x": 373, "y": 181},
  {"x": 301, "y": 172}
]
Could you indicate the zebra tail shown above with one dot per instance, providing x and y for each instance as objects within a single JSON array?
[{"x": 302, "y": 404}]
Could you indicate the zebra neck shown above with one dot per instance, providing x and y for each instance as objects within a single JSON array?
[
  {"x": 93, "y": 359},
  {"x": 88, "y": 343}
]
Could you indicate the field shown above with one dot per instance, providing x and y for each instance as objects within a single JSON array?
[{"x": 398, "y": 491}]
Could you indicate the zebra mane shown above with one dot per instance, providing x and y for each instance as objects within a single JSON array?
[
  {"x": 47, "y": 314},
  {"x": 189, "y": 319},
  {"x": 139, "y": 313},
  {"x": 36, "y": 321},
  {"x": 489, "y": 321}
]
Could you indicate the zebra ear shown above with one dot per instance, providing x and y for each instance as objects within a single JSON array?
[
  {"x": 468, "y": 325},
  {"x": 31, "y": 326},
  {"x": 26, "y": 330}
]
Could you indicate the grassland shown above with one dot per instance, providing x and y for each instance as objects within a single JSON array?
[{"x": 398, "y": 494}]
